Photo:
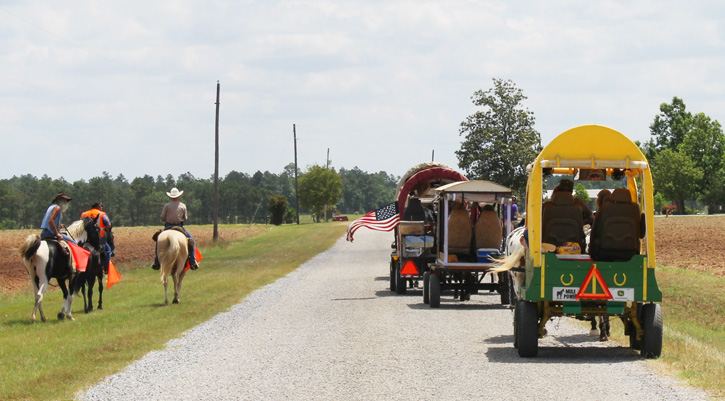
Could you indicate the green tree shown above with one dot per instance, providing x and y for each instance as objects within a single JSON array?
[
  {"x": 318, "y": 187},
  {"x": 278, "y": 206},
  {"x": 676, "y": 176},
  {"x": 580, "y": 192},
  {"x": 705, "y": 145},
  {"x": 671, "y": 126},
  {"x": 500, "y": 140}
]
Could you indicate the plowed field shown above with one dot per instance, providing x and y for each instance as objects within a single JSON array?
[
  {"x": 691, "y": 242},
  {"x": 132, "y": 244}
]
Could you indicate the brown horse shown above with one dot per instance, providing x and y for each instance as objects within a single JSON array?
[{"x": 173, "y": 252}]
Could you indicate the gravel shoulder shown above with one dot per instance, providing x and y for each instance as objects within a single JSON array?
[{"x": 332, "y": 330}]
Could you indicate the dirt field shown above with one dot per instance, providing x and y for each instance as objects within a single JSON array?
[
  {"x": 689, "y": 242},
  {"x": 132, "y": 244}
]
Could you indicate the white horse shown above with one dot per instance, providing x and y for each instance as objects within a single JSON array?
[
  {"x": 173, "y": 252},
  {"x": 45, "y": 260}
]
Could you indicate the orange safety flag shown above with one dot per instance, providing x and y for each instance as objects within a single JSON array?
[
  {"x": 80, "y": 255},
  {"x": 113, "y": 276},
  {"x": 197, "y": 254}
]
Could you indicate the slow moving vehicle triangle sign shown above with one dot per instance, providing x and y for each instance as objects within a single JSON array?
[{"x": 598, "y": 290}]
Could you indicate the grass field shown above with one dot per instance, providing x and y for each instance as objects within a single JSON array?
[{"x": 56, "y": 359}]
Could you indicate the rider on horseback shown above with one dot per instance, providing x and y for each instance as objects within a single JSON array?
[
  {"x": 51, "y": 224},
  {"x": 174, "y": 215},
  {"x": 104, "y": 223}
]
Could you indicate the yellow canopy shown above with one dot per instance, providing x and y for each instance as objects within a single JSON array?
[{"x": 589, "y": 147}]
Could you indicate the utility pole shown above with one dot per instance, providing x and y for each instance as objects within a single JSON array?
[
  {"x": 327, "y": 166},
  {"x": 433, "y": 155},
  {"x": 215, "y": 237},
  {"x": 297, "y": 198}
]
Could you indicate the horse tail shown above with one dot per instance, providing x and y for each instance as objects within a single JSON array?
[
  {"x": 30, "y": 246},
  {"x": 510, "y": 261},
  {"x": 168, "y": 253}
]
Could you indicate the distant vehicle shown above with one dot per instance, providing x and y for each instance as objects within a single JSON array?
[
  {"x": 469, "y": 236},
  {"x": 414, "y": 242}
]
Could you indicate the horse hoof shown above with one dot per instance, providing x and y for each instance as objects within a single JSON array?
[
  {"x": 593, "y": 332},
  {"x": 99, "y": 307},
  {"x": 176, "y": 301},
  {"x": 69, "y": 317},
  {"x": 603, "y": 339},
  {"x": 61, "y": 316}
]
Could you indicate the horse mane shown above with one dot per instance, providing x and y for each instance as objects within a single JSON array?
[{"x": 76, "y": 229}]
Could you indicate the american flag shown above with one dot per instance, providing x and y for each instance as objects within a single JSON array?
[{"x": 384, "y": 219}]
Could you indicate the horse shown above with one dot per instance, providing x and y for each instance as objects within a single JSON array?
[
  {"x": 173, "y": 249},
  {"x": 95, "y": 269},
  {"x": 44, "y": 260},
  {"x": 515, "y": 250}
]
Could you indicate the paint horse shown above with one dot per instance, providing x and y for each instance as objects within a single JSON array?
[{"x": 45, "y": 260}]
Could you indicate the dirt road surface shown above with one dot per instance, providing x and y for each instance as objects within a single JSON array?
[{"x": 333, "y": 330}]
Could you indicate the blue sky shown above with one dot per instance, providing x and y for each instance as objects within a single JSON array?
[{"x": 129, "y": 87}]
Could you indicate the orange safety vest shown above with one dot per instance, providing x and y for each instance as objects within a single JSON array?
[{"x": 92, "y": 214}]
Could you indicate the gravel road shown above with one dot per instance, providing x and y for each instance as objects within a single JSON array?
[{"x": 331, "y": 330}]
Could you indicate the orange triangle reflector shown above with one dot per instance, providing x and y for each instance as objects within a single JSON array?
[
  {"x": 597, "y": 284},
  {"x": 409, "y": 269}
]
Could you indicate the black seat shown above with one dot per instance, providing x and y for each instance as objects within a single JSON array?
[
  {"x": 562, "y": 221},
  {"x": 617, "y": 229},
  {"x": 414, "y": 211}
]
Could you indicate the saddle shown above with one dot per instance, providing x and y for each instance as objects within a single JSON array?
[{"x": 65, "y": 250}]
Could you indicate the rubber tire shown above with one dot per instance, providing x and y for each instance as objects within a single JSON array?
[
  {"x": 401, "y": 283},
  {"x": 434, "y": 290},
  {"x": 652, "y": 324},
  {"x": 527, "y": 331},
  {"x": 426, "y": 287},
  {"x": 504, "y": 288},
  {"x": 392, "y": 274}
]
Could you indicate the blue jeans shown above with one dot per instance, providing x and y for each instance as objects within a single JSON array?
[{"x": 192, "y": 255}]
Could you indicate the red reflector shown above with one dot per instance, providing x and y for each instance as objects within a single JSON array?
[{"x": 409, "y": 268}]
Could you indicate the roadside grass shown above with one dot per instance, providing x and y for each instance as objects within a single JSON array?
[
  {"x": 693, "y": 310},
  {"x": 56, "y": 359}
]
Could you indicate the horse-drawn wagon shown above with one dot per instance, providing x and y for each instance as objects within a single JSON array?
[
  {"x": 469, "y": 238},
  {"x": 415, "y": 235},
  {"x": 613, "y": 274}
]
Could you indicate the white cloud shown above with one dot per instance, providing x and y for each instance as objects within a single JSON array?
[{"x": 380, "y": 83}]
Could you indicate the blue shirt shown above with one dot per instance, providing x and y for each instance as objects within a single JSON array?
[{"x": 45, "y": 225}]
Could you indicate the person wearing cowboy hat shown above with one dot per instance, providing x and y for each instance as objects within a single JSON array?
[
  {"x": 174, "y": 214},
  {"x": 51, "y": 221}
]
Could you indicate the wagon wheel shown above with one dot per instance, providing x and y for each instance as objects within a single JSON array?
[
  {"x": 392, "y": 274},
  {"x": 401, "y": 285},
  {"x": 434, "y": 289},
  {"x": 652, "y": 324},
  {"x": 527, "y": 328},
  {"x": 426, "y": 287}
]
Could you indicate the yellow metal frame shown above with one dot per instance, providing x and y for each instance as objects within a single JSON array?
[{"x": 589, "y": 146}]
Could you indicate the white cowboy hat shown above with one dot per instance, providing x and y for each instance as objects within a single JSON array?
[{"x": 175, "y": 193}]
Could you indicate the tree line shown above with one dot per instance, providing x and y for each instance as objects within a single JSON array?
[{"x": 243, "y": 198}]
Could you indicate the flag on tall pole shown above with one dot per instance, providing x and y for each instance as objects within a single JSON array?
[{"x": 384, "y": 219}]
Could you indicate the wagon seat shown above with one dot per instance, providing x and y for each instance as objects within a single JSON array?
[
  {"x": 460, "y": 231},
  {"x": 562, "y": 221},
  {"x": 617, "y": 229},
  {"x": 488, "y": 230}
]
